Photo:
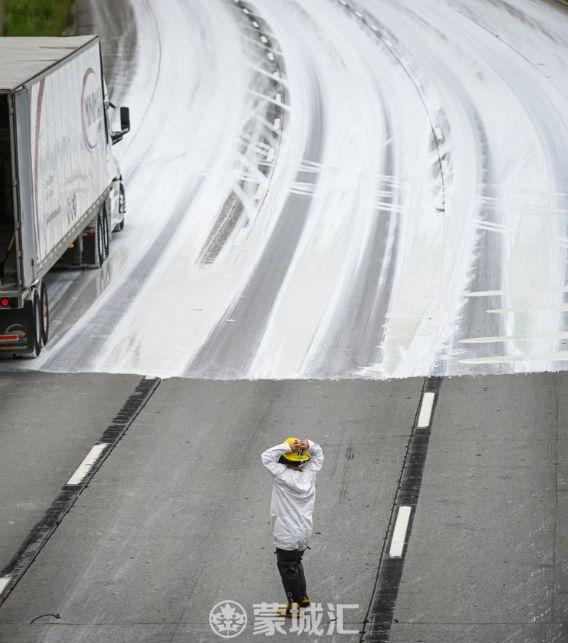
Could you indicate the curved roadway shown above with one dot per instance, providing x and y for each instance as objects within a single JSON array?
[{"x": 331, "y": 189}]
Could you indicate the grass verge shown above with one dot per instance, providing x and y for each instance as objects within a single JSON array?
[{"x": 36, "y": 17}]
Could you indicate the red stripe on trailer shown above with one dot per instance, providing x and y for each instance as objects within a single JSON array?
[{"x": 9, "y": 338}]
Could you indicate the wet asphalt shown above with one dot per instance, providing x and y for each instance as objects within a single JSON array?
[{"x": 176, "y": 518}]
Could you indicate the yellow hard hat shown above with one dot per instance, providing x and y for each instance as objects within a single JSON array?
[{"x": 295, "y": 456}]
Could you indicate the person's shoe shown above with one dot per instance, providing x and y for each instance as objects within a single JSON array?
[
  {"x": 304, "y": 601},
  {"x": 291, "y": 610}
]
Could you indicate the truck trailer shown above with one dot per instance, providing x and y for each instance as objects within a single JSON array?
[{"x": 61, "y": 191}]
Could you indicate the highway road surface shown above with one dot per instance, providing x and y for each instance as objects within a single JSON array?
[
  {"x": 335, "y": 208},
  {"x": 176, "y": 519},
  {"x": 366, "y": 189}
]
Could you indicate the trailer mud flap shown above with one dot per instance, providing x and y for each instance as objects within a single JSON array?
[{"x": 16, "y": 331}]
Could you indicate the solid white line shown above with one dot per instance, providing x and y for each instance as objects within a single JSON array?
[
  {"x": 4, "y": 582},
  {"x": 87, "y": 464},
  {"x": 399, "y": 534},
  {"x": 426, "y": 410}
]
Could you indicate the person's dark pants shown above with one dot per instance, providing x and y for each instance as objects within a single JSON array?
[{"x": 292, "y": 573}]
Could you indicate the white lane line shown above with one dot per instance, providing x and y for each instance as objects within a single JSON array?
[
  {"x": 399, "y": 533},
  {"x": 426, "y": 410},
  {"x": 270, "y": 155},
  {"x": 276, "y": 123},
  {"x": 255, "y": 24},
  {"x": 4, "y": 582},
  {"x": 278, "y": 98},
  {"x": 87, "y": 464},
  {"x": 270, "y": 55},
  {"x": 264, "y": 39}
]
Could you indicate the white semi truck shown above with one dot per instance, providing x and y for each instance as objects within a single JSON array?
[{"x": 61, "y": 192}]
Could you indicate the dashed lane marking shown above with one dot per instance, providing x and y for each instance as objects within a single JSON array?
[
  {"x": 84, "y": 468},
  {"x": 426, "y": 410},
  {"x": 4, "y": 580},
  {"x": 399, "y": 533}
]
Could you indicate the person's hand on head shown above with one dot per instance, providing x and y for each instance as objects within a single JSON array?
[{"x": 300, "y": 445}]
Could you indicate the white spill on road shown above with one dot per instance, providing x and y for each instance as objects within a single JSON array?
[{"x": 333, "y": 189}]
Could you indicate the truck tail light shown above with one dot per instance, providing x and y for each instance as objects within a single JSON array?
[{"x": 8, "y": 302}]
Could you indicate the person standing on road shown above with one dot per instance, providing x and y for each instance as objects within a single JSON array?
[{"x": 294, "y": 465}]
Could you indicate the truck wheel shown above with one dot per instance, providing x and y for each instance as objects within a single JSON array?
[
  {"x": 105, "y": 234},
  {"x": 94, "y": 242},
  {"x": 33, "y": 325},
  {"x": 37, "y": 325},
  {"x": 44, "y": 309},
  {"x": 119, "y": 227},
  {"x": 100, "y": 239},
  {"x": 122, "y": 199}
]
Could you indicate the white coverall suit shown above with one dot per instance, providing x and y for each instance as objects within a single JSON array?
[{"x": 291, "y": 510}]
